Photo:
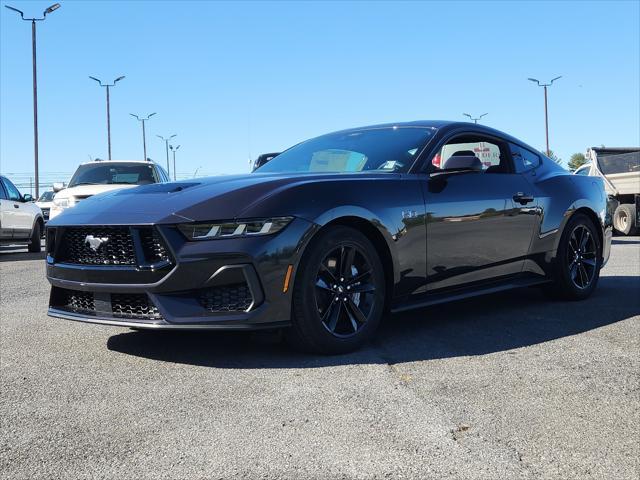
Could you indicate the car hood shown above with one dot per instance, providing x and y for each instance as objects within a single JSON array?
[
  {"x": 89, "y": 190},
  {"x": 202, "y": 199}
]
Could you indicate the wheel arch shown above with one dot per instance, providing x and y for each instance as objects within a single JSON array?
[
  {"x": 38, "y": 220},
  {"x": 377, "y": 238},
  {"x": 589, "y": 213}
]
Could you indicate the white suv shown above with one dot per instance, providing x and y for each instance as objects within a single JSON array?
[
  {"x": 20, "y": 219},
  {"x": 103, "y": 176}
]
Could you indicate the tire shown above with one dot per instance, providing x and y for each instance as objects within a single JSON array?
[
  {"x": 624, "y": 219},
  {"x": 578, "y": 260},
  {"x": 35, "y": 245},
  {"x": 338, "y": 294}
]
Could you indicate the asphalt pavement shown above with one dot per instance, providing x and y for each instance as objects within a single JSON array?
[{"x": 509, "y": 386}]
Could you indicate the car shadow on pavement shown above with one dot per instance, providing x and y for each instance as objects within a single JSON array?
[
  {"x": 479, "y": 326},
  {"x": 18, "y": 254}
]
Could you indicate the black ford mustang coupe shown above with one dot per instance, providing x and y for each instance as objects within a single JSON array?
[{"x": 328, "y": 235}]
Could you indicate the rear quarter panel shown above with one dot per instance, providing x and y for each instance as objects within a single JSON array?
[{"x": 560, "y": 195}]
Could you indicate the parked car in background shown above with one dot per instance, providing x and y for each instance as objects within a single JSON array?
[
  {"x": 21, "y": 220},
  {"x": 45, "y": 202},
  {"x": 102, "y": 176},
  {"x": 620, "y": 169},
  {"x": 329, "y": 234}
]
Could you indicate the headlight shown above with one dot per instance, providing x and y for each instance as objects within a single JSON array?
[
  {"x": 240, "y": 228},
  {"x": 61, "y": 202}
]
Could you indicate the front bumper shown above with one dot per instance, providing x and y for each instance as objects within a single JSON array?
[{"x": 227, "y": 284}]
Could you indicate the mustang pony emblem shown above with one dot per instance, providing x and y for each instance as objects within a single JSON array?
[{"x": 95, "y": 242}]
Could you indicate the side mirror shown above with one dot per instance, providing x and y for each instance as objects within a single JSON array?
[
  {"x": 264, "y": 158},
  {"x": 27, "y": 197},
  {"x": 463, "y": 162},
  {"x": 58, "y": 186}
]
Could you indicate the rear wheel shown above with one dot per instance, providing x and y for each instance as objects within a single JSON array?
[
  {"x": 35, "y": 245},
  {"x": 624, "y": 219},
  {"x": 339, "y": 293},
  {"x": 578, "y": 260}
]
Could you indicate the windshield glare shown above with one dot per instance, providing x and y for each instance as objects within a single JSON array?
[
  {"x": 46, "y": 196},
  {"x": 386, "y": 149},
  {"x": 107, "y": 173}
]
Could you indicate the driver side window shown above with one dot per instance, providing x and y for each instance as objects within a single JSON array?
[
  {"x": 12, "y": 191},
  {"x": 483, "y": 154}
]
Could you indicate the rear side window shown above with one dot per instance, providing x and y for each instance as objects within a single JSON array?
[{"x": 523, "y": 159}]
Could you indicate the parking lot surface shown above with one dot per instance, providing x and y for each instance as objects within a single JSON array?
[{"x": 507, "y": 386}]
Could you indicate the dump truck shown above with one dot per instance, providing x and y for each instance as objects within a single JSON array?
[{"x": 620, "y": 169}]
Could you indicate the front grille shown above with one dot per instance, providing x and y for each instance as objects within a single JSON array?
[
  {"x": 133, "y": 305},
  {"x": 228, "y": 298},
  {"x": 74, "y": 300},
  {"x": 153, "y": 246},
  {"x": 112, "y": 246},
  {"x": 136, "y": 306}
]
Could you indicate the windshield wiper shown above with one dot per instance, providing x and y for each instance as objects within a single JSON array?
[{"x": 85, "y": 183}]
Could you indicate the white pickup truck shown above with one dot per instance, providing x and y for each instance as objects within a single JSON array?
[
  {"x": 102, "y": 176},
  {"x": 620, "y": 169}
]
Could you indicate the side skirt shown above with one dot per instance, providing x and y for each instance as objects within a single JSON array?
[{"x": 436, "y": 298}]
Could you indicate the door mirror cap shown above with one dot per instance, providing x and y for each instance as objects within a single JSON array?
[
  {"x": 264, "y": 158},
  {"x": 27, "y": 197},
  {"x": 463, "y": 162},
  {"x": 58, "y": 186}
]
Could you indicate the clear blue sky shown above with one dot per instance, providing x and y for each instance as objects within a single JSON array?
[{"x": 239, "y": 79}]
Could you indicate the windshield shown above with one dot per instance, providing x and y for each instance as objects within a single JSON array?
[
  {"x": 386, "y": 149},
  {"x": 623, "y": 163},
  {"x": 109, "y": 173},
  {"x": 46, "y": 196}
]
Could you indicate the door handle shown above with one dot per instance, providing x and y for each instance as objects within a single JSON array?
[
  {"x": 15, "y": 205},
  {"x": 522, "y": 198}
]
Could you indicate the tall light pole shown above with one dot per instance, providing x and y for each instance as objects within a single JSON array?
[
  {"x": 546, "y": 115},
  {"x": 144, "y": 134},
  {"x": 107, "y": 86},
  {"x": 166, "y": 146},
  {"x": 33, "y": 21},
  {"x": 174, "y": 150},
  {"x": 475, "y": 119}
]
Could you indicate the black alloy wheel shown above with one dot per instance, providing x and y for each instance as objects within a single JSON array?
[
  {"x": 339, "y": 293},
  {"x": 344, "y": 295},
  {"x": 578, "y": 260},
  {"x": 582, "y": 261}
]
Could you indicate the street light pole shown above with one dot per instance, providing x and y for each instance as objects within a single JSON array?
[
  {"x": 546, "y": 115},
  {"x": 174, "y": 150},
  {"x": 475, "y": 119},
  {"x": 33, "y": 21},
  {"x": 144, "y": 135},
  {"x": 166, "y": 146},
  {"x": 107, "y": 86}
]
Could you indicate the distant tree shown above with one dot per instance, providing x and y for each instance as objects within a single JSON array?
[
  {"x": 554, "y": 157},
  {"x": 576, "y": 161}
]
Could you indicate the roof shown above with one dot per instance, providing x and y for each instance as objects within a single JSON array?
[
  {"x": 116, "y": 161},
  {"x": 450, "y": 125}
]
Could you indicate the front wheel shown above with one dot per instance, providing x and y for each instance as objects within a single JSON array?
[
  {"x": 578, "y": 260},
  {"x": 339, "y": 293},
  {"x": 35, "y": 245}
]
